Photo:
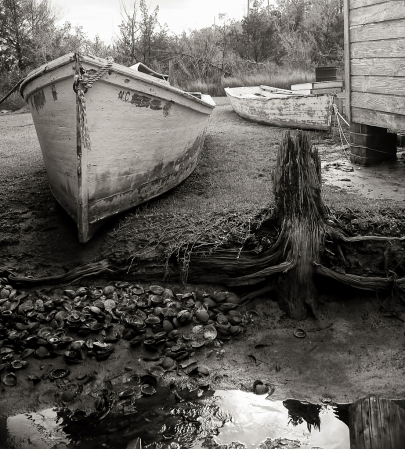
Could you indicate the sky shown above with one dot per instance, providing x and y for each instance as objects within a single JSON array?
[{"x": 102, "y": 17}]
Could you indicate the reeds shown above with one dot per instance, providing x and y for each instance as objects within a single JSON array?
[{"x": 281, "y": 77}]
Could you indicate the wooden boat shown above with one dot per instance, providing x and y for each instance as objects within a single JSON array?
[
  {"x": 112, "y": 137},
  {"x": 280, "y": 107}
]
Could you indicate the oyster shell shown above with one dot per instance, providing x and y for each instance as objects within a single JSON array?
[{"x": 10, "y": 380}]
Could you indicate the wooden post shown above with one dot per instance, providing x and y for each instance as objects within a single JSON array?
[
  {"x": 171, "y": 72},
  {"x": 376, "y": 423},
  {"x": 347, "y": 58}
]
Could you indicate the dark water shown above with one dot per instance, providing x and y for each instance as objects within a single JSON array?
[{"x": 191, "y": 419}]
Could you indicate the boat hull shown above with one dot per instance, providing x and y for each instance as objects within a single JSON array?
[
  {"x": 144, "y": 138},
  {"x": 292, "y": 111}
]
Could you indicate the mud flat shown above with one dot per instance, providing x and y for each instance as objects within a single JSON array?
[{"x": 357, "y": 350}]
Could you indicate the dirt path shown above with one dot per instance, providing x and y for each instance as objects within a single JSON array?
[{"x": 359, "y": 352}]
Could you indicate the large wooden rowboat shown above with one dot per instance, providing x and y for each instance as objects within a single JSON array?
[
  {"x": 112, "y": 137},
  {"x": 280, "y": 107}
]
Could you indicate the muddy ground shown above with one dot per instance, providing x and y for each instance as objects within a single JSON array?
[{"x": 358, "y": 350}]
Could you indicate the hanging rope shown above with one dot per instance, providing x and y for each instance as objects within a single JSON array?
[
  {"x": 81, "y": 84},
  {"x": 341, "y": 132}
]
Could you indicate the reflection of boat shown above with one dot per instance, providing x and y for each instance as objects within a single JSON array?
[
  {"x": 280, "y": 107},
  {"x": 112, "y": 137}
]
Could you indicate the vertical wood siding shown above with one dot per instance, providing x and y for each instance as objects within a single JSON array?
[{"x": 375, "y": 62}]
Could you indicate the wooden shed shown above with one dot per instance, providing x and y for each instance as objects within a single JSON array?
[{"x": 374, "y": 77}]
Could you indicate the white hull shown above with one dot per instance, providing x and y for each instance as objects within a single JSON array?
[
  {"x": 262, "y": 104},
  {"x": 145, "y": 137}
]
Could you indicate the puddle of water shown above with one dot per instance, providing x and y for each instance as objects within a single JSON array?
[
  {"x": 205, "y": 419},
  {"x": 255, "y": 418},
  {"x": 382, "y": 181}
]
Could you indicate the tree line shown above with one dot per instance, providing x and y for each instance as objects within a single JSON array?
[{"x": 299, "y": 33}]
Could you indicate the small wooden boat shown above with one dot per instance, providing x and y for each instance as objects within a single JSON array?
[
  {"x": 280, "y": 107},
  {"x": 112, "y": 137}
]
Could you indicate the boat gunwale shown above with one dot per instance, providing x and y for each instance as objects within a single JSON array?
[
  {"x": 229, "y": 92},
  {"x": 117, "y": 68}
]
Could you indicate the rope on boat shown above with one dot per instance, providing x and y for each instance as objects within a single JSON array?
[
  {"x": 81, "y": 85},
  {"x": 88, "y": 80},
  {"x": 12, "y": 90}
]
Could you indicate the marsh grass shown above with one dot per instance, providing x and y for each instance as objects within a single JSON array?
[{"x": 271, "y": 76}]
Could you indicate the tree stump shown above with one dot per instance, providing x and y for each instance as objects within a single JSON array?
[{"x": 300, "y": 214}]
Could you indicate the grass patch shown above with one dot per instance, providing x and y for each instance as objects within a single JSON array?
[
  {"x": 273, "y": 76},
  {"x": 282, "y": 80}
]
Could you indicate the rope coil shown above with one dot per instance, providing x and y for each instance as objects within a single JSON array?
[{"x": 82, "y": 83}]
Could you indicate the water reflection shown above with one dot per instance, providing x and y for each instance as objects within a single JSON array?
[{"x": 188, "y": 419}]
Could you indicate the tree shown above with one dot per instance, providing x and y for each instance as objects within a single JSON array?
[
  {"x": 311, "y": 31},
  {"x": 26, "y": 30},
  {"x": 141, "y": 38},
  {"x": 324, "y": 22},
  {"x": 259, "y": 39},
  {"x": 126, "y": 43}
]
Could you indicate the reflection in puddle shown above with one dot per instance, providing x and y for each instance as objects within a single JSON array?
[
  {"x": 203, "y": 419},
  {"x": 255, "y": 419}
]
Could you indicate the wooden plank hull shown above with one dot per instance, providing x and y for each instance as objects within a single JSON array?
[
  {"x": 292, "y": 111},
  {"x": 145, "y": 137}
]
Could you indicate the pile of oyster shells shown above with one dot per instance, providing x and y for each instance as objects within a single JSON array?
[{"x": 167, "y": 324}]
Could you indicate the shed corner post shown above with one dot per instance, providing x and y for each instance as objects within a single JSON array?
[{"x": 346, "y": 4}]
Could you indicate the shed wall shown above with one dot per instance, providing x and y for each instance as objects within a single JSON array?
[{"x": 375, "y": 62}]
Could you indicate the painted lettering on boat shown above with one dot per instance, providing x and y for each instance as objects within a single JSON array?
[
  {"x": 166, "y": 108},
  {"x": 141, "y": 100},
  {"x": 54, "y": 92},
  {"x": 38, "y": 100}
]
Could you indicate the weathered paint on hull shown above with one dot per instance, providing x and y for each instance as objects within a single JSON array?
[
  {"x": 304, "y": 112},
  {"x": 145, "y": 138}
]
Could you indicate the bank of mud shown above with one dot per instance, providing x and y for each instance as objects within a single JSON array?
[{"x": 357, "y": 350}]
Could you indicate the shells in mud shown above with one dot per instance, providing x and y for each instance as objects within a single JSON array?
[
  {"x": 210, "y": 333},
  {"x": 126, "y": 393},
  {"x": 10, "y": 380},
  {"x": 202, "y": 315},
  {"x": 167, "y": 326},
  {"x": 299, "y": 333},
  {"x": 148, "y": 390},
  {"x": 137, "y": 339},
  {"x": 58, "y": 373},
  {"x": 108, "y": 290},
  {"x": 70, "y": 394},
  {"x": 19, "y": 364},
  {"x": 156, "y": 289},
  {"x": 34, "y": 379},
  {"x": 156, "y": 316},
  {"x": 168, "y": 363},
  {"x": 41, "y": 352},
  {"x": 157, "y": 371}
]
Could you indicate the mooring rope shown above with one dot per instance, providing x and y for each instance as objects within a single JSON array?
[
  {"x": 341, "y": 132},
  {"x": 81, "y": 84}
]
